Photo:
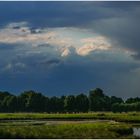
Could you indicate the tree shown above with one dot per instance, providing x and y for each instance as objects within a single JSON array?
[
  {"x": 132, "y": 100},
  {"x": 33, "y": 101},
  {"x": 70, "y": 103},
  {"x": 123, "y": 107},
  {"x": 2, "y": 96},
  {"x": 21, "y": 101},
  {"x": 55, "y": 104},
  {"x": 116, "y": 107},
  {"x": 47, "y": 104},
  {"x": 82, "y": 103},
  {"x": 9, "y": 104},
  {"x": 12, "y": 104},
  {"x": 115, "y": 99},
  {"x": 137, "y": 106},
  {"x": 98, "y": 101},
  {"x": 62, "y": 103}
]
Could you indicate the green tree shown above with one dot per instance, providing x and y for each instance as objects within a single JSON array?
[
  {"x": 56, "y": 104},
  {"x": 117, "y": 107},
  {"x": 3, "y": 95},
  {"x": 82, "y": 103},
  {"x": 132, "y": 100},
  {"x": 70, "y": 103},
  {"x": 47, "y": 109},
  {"x": 137, "y": 106},
  {"x": 12, "y": 104},
  {"x": 115, "y": 99},
  {"x": 62, "y": 103},
  {"x": 9, "y": 104},
  {"x": 34, "y": 102},
  {"x": 98, "y": 101}
]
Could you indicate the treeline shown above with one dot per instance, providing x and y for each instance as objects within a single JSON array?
[{"x": 31, "y": 101}]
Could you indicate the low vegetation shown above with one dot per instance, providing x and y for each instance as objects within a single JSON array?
[
  {"x": 79, "y": 125},
  {"x": 93, "y": 130},
  {"x": 133, "y": 117}
]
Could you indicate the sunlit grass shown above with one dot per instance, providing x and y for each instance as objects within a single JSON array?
[
  {"x": 35, "y": 125},
  {"x": 94, "y": 130},
  {"x": 124, "y": 117}
]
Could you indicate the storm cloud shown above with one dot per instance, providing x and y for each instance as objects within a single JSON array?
[{"x": 70, "y": 47}]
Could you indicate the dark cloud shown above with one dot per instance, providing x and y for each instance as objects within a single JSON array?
[
  {"x": 117, "y": 20},
  {"x": 51, "y": 62},
  {"x": 122, "y": 30},
  {"x": 78, "y": 77},
  {"x": 23, "y": 67},
  {"x": 6, "y": 47},
  {"x": 59, "y": 14}
]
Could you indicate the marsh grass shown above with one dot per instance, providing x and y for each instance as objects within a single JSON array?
[
  {"x": 37, "y": 125},
  {"x": 94, "y": 130},
  {"x": 120, "y": 117}
]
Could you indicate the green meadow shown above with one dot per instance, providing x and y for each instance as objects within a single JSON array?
[
  {"x": 132, "y": 117},
  {"x": 80, "y": 125},
  {"x": 67, "y": 130}
]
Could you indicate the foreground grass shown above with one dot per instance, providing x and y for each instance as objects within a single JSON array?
[
  {"x": 94, "y": 130},
  {"x": 133, "y": 117}
]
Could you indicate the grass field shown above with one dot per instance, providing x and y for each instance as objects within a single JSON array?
[
  {"x": 82, "y": 125},
  {"x": 94, "y": 130},
  {"x": 120, "y": 117}
]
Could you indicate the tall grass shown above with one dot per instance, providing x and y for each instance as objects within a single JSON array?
[
  {"x": 120, "y": 117},
  {"x": 95, "y": 130}
]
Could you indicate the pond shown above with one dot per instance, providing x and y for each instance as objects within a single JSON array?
[{"x": 46, "y": 122}]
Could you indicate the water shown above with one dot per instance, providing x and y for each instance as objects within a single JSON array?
[
  {"x": 47, "y": 122},
  {"x": 136, "y": 131}
]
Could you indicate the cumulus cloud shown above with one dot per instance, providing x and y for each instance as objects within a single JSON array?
[
  {"x": 14, "y": 68},
  {"x": 56, "y": 49},
  {"x": 65, "y": 52},
  {"x": 61, "y": 40},
  {"x": 51, "y": 62},
  {"x": 93, "y": 44},
  {"x": 23, "y": 34},
  {"x": 46, "y": 48},
  {"x": 17, "y": 25}
]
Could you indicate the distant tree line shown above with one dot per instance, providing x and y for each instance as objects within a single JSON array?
[{"x": 31, "y": 101}]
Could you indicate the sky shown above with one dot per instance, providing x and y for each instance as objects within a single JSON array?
[{"x": 61, "y": 48}]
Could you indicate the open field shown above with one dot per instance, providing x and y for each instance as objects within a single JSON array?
[
  {"x": 68, "y": 130},
  {"x": 82, "y": 125},
  {"x": 133, "y": 117}
]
